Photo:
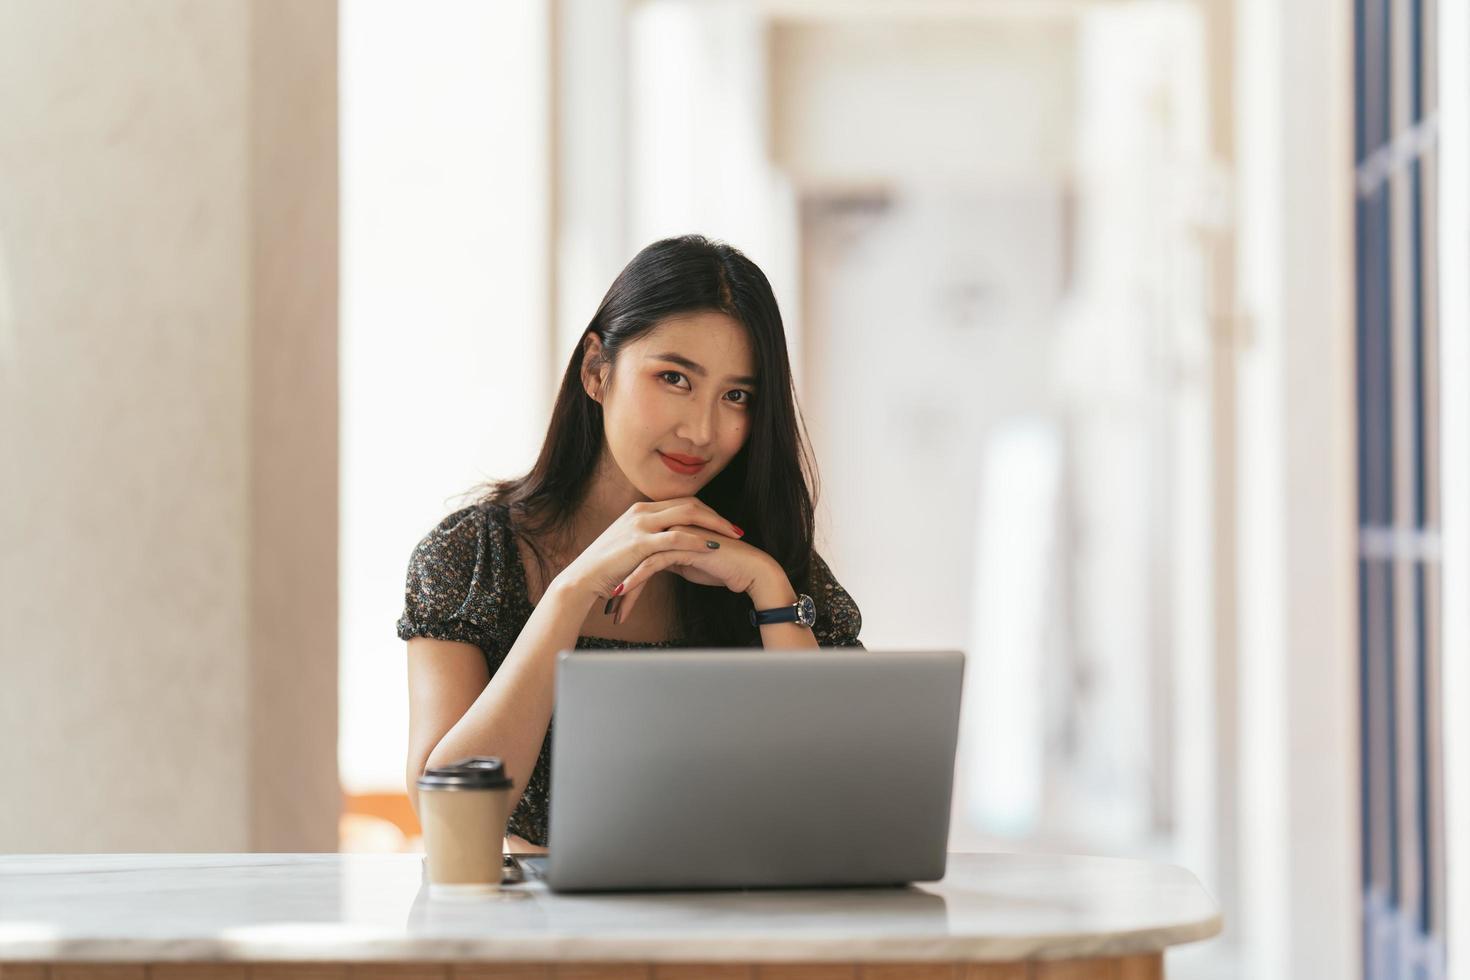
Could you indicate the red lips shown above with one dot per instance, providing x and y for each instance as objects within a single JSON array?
[{"x": 678, "y": 463}]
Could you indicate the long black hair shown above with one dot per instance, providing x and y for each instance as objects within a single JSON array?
[{"x": 769, "y": 489}]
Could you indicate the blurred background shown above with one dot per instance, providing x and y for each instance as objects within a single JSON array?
[{"x": 1132, "y": 337}]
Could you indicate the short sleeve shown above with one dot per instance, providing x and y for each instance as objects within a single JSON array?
[
  {"x": 449, "y": 592},
  {"x": 839, "y": 620}
]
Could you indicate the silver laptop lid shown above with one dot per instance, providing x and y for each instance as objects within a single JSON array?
[{"x": 751, "y": 768}]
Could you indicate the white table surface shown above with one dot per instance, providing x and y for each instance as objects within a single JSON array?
[{"x": 370, "y": 907}]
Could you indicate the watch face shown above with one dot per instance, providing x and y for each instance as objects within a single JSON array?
[{"x": 806, "y": 610}]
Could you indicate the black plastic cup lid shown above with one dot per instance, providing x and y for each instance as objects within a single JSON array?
[{"x": 476, "y": 772}]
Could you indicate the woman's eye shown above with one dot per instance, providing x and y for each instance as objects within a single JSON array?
[{"x": 674, "y": 377}]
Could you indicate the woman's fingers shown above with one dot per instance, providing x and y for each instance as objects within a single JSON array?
[
  {"x": 638, "y": 578},
  {"x": 625, "y": 605},
  {"x": 678, "y": 540},
  {"x": 686, "y": 538},
  {"x": 690, "y": 510}
]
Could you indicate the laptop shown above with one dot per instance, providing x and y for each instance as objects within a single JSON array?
[{"x": 729, "y": 768}]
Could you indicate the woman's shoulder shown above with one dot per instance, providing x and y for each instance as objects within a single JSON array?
[
  {"x": 459, "y": 579},
  {"x": 462, "y": 543},
  {"x": 476, "y": 518}
]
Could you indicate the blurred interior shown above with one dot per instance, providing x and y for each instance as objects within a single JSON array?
[{"x": 1131, "y": 336}]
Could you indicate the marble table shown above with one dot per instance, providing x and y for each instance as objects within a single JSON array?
[{"x": 997, "y": 915}]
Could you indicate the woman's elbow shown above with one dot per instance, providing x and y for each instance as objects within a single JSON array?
[{"x": 412, "y": 785}]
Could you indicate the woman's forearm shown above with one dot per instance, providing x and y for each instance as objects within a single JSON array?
[{"x": 510, "y": 716}]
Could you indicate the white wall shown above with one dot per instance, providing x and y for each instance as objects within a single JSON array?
[
  {"x": 965, "y": 100},
  {"x": 1298, "y": 677},
  {"x": 592, "y": 148}
]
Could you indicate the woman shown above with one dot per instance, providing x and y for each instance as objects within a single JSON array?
[{"x": 669, "y": 506}]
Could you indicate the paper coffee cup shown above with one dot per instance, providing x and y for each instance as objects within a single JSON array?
[{"x": 463, "y": 808}]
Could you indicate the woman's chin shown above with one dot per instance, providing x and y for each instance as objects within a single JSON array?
[{"x": 666, "y": 485}]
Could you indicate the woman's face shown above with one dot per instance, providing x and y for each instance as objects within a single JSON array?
[{"x": 678, "y": 408}]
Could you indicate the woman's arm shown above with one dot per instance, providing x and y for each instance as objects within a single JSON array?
[
  {"x": 510, "y": 715},
  {"x": 444, "y": 678}
]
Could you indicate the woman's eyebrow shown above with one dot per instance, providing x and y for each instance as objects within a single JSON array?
[{"x": 685, "y": 362}]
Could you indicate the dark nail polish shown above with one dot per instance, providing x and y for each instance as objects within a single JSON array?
[
  {"x": 711, "y": 544},
  {"x": 607, "y": 609}
]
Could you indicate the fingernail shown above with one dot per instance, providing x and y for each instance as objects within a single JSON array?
[
  {"x": 738, "y": 533},
  {"x": 711, "y": 544},
  {"x": 619, "y": 589},
  {"x": 607, "y": 609}
]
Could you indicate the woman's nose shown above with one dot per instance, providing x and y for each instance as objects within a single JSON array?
[{"x": 699, "y": 425}]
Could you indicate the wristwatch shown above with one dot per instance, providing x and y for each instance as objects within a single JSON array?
[{"x": 803, "y": 612}]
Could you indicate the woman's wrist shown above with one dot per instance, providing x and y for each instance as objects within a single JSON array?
[
  {"x": 771, "y": 589},
  {"x": 575, "y": 596}
]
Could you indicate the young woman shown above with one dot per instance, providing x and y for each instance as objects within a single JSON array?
[{"x": 669, "y": 507}]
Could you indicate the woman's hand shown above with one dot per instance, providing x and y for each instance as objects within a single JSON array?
[
  {"x": 682, "y": 525},
  {"x": 515, "y": 844},
  {"x": 719, "y": 560}
]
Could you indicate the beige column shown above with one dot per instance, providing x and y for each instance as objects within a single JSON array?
[
  {"x": 295, "y": 795},
  {"x": 168, "y": 429}
]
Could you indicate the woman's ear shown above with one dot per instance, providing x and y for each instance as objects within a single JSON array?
[{"x": 594, "y": 371}]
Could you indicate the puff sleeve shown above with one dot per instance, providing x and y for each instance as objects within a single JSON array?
[
  {"x": 838, "y": 618},
  {"x": 448, "y": 591}
]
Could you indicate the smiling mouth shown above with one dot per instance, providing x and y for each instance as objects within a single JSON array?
[{"x": 679, "y": 466}]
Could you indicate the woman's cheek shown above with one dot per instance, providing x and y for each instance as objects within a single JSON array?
[
  {"x": 737, "y": 437},
  {"x": 650, "y": 411}
]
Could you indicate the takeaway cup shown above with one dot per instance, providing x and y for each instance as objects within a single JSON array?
[{"x": 463, "y": 808}]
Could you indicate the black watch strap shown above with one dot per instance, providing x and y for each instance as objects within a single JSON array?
[{"x": 802, "y": 611}]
